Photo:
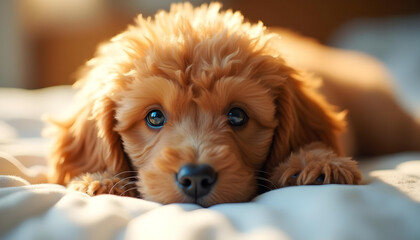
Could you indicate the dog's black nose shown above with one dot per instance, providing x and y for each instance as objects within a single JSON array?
[{"x": 196, "y": 180}]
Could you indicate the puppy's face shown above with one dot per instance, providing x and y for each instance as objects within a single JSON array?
[{"x": 199, "y": 137}]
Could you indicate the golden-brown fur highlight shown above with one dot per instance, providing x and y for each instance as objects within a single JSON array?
[
  {"x": 193, "y": 64},
  {"x": 311, "y": 162}
]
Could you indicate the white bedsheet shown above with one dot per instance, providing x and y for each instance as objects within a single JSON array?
[{"x": 387, "y": 206}]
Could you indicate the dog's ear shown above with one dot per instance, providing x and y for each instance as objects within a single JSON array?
[
  {"x": 304, "y": 116},
  {"x": 86, "y": 142}
]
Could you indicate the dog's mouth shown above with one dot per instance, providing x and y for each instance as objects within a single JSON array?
[{"x": 205, "y": 183}]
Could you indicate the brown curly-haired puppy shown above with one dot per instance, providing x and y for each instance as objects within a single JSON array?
[{"x": 198, "y": 106}]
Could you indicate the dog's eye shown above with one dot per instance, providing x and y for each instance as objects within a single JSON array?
[
  {"x": 155, "y": 119},
  {"x": 237, "y": 117}
]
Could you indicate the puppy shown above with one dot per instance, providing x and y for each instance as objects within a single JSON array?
[{"x": 198, "y": 106}]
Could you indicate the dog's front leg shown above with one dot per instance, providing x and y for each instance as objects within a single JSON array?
[
  {"x": 313, "y": 165},
  {"x": 105, "y": 183}
]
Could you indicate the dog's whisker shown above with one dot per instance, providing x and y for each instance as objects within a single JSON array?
[
  {"x": 129, "y": 171},
  {"x": 263, "y": 178},
  {"x": 130, "y": 189},
  {"x": 125, "y": 185},
  {"x": 119, "y": 181},
  {"x": 126, "y": 178},
  {"x": 266, "y": 180},
  {"x": 265, "y": 186}
]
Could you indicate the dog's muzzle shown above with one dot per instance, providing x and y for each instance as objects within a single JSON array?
[{"x": 196, "y": 181}]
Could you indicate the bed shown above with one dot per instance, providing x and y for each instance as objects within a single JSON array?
[{"x": 385, "y": 206}]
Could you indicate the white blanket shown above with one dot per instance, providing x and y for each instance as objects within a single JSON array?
[{"x": 387, "y": 206}]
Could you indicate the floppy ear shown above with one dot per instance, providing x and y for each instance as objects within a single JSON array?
[
  {"x": 304, "y": 117},
  {"x": 86, "y": 142}
]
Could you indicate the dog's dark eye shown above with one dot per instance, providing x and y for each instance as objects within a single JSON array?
[
  {"x": 155, "y": 119},
  {"x": 237, "y": 117}
]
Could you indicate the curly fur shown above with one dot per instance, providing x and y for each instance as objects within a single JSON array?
[{"x": 194, "y": 64}]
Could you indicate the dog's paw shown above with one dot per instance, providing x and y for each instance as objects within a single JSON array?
[
  {"x": 314, "y": 165},
  {"x": 103, "y": 183}
]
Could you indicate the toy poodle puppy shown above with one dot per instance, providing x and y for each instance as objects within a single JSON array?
[{"x": 197, "y": 105}]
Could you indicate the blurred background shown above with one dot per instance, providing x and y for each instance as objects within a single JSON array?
[{"x": 43, "y": 42}]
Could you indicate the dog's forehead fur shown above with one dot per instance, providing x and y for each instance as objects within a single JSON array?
[
  {"x": 196, "y": 47},
  {"x": 202, "y": 54},
  {"x": 186, "y": 45}
]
